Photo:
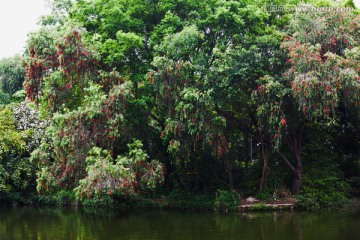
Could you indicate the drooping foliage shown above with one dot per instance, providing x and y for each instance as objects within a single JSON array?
[
  {"x": 127, "y": 176},
  {"x": 87, "y": 105},
  {"x": 324, "y": 58},
  {"x": 225, "y": 94},
  {"x": 321, "y": 81},
  {"x": 58, "y": 68},
  {"x": 190, "y": 117},
  {"x": 99, "y": 122}
]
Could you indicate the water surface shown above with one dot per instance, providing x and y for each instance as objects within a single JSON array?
[{"x": 60, "y": 223}]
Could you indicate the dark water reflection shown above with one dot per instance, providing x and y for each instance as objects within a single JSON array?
[{"x": 58, "y": 223}]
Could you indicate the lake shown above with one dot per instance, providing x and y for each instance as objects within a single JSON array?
[{"x": 62, "y": 223}]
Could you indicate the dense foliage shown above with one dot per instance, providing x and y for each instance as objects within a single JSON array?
[
  {"x": 12, "y": 76},
  {"x": 16, "y": 172},
  {"x": 224, "y": 94}
]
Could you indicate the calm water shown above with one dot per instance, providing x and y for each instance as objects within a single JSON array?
[{"x": 58, "y": 223}]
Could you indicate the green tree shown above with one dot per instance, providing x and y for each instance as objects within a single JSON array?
[
  {"x": 321, "y": 80},
  {"x": 194, "y": 81},
  {"x": 86, "y": 105},
  {"x": 16, "y": 171},
  {"x": 204, "y": 76},
  {"x": 12, "y": 76},
  {"x": 58, "y": 68}
]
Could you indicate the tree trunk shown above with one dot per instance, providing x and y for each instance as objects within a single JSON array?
[
  {"x": 231, "y": 179},
  {"x": 297, "y": 174},
  {"x": 229, "y": 170},
  {"x": 294, "y": 142},
  {"x": 297, "y": 153},
  {"x": 298, "y": 170},
  {"x": 263, "y": 175},
  {"x": 296, "y": 183},
  {"x": 265, "y": 168}
]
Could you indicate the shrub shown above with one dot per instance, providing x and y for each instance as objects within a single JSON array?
[
  {"x": 181, "y": 199},
  {"x": 15, "y": 172},
  {"x": 4, "y": 98},
  {"x": 65, "y": 198},
  {"x": 128, "y": 175},
  {"x": 226, "y": 201},
  {"x": 326, "y": 192},
  {"x": 28, "y": 120}
]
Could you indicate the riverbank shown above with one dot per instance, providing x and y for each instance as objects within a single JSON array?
[{"x": 227, "y": 201}]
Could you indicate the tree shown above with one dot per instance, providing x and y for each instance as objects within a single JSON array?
[
  {"x": 16, "y": 172},
  {"x": 194, "y": 81},
  {"x": 323, "y": 78},
  {"x": 58, "y": 64},
  {"x": 86, "y": 105},
  {"x": 204, "y": 75},
  {"x": 12, "y": 75}
]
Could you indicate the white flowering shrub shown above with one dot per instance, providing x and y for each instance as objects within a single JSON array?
[{"x": 29, "y": 122}]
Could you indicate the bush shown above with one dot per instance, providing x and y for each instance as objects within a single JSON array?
[
  {"x": 45, "y": 200},
  {"x": 180, "y": 199},
  {"x": 127, "y": 176},
  {"x": 4, "y": 98},
  {"x": 65, "y": 198},
  {"x": 327, "y": 192},
  {"x": 15, "y": 171},
  {"x": 261, "y": 207},
  {"x": 226, "y": 201},
  {"x": 28, "y": 120},
  {"x": 104, "y": 201}
]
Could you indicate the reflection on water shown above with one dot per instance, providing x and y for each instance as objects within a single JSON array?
[{"x": 59, "y": 223}]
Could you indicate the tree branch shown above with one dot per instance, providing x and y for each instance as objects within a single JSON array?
[
  {"x": 246, "y": 129},
  {"x": 299, "y": 135},
  {"x": 287, "y": 162}
]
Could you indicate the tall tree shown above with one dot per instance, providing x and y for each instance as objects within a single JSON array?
[
  {"x": 204, "y": 76},
  {"x": 322, "y": 79},
  {"x": 12, "y": 75}
]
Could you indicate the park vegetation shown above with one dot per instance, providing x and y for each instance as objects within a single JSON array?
[{"x": 117, "y": 101}]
